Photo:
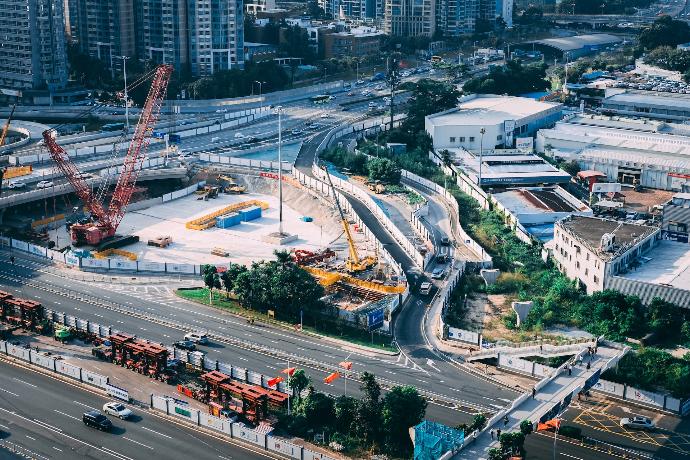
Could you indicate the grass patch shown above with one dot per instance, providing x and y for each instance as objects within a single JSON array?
[{"x": 329, "y": 327}]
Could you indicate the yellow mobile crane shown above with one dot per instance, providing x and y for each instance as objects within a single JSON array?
[
  {"x": 6, "y": 129},
  {"x": 353, "y": 262}
]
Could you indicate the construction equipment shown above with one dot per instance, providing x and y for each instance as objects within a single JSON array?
[
  {"x": 230, "y": 186},
  {"x": 6, "y": 129},
  {"x": 141, "y": 356},
  {"x": 353, "y": 262},
  {"x": 161, "y": 241},
  {"x": 62, "y": 333},
  {"x": 303, "y": 257},
  {"x": 105, "y": 221},
  {"x": 209, "y": 191},
  {"x": 376, "y": 186}
]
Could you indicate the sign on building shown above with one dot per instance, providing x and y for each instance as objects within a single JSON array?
[{"x": 526, "y": 144}]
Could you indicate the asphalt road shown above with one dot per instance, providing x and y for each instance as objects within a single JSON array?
[
  {"x": 43, "y": 415},
  {"x": 540, "y": 446}
]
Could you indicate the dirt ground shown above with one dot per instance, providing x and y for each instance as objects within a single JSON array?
[{"x": 644, "y": 200}]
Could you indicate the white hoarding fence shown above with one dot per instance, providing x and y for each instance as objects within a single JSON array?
[
  {"x": 42, "y": 360},
  {"x": 98, "y": 380},
  {"x": 69, "y": 370},
  {"x": 282, "y": 446},
  {"x": 239, "y": 430},
  {"x": 216, "y": 423},
  {"x": 463, "y": 335},
  {"x": 18, "y": 352}
]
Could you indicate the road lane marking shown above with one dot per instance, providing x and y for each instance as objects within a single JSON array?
[
  {"x": 243, "y": 359},
  {"x": 25, "y": 383},
  {"x": 153, "y": 431},
  {"x": 59, "y": 450},
  {"x": 137, "y": 442},
  {"x": 8, "y": 391},
  {"x": 113, "y": 453},
  {"x": 66, "y": 415},
  {"x": 85, "y": 405},
  {"x": 30, "y": 437},
  {"x": 47, "y": 425},
  {"x": 570, "y": 456}
]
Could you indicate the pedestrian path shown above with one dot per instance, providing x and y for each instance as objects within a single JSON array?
[{"x": 546, "y": 401}]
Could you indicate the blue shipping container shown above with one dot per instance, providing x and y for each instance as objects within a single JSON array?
[
  {"x": 251, "y": 213},
  {"x": 228, "y": 220}
]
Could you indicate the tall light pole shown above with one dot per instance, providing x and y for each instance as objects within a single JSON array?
[
  {"x": 124, "y": 70},
  {"x": 279, "y": 109},
  {"x": 481, "y": 154},
  {"x": 261, "y": 101}
]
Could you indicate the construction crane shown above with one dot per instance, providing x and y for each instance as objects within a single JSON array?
[
  {"x": 353, "y": 262},
  {"x": 6, "y": 129},
  {"x": 106, "y": 220}
]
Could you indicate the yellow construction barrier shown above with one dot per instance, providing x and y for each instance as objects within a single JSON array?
[
  {"x": 17, "y": 171},
  {"x": 46, "y": 221},
  {"x": 209, "y": 220},
  {"x": 327, "y": 278},
  {"x": 120, "y": 252}
]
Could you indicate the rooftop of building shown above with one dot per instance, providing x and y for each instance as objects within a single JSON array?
[
  {"x": 501, "y": 168},
  {"x": 590, "y": 230},
  {"x": 652, "y": 98},
  {"x": 538, "y": 200},
  {"x": 490, "y": 109},
  {"x": 642, "y": 125},
  {"x": 577, "y": 42},
  {"x": 668, "y": 263}
]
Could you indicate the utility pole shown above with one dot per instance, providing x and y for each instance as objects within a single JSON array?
[
  {"x": 393, "y": 79},
  {"x": 261, "y": 101},
  {"x": 481, "y": 154},
  {"x": 279, "y": 109},
  {"x": 124, "y": 70}
]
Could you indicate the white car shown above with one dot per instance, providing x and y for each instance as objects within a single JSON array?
[
  {"x": 16, "y": 185},
  {"x": 117, "y": 409},
  {"x": 638, "y": 423},
  {"x": 438, "y": 273},
  {"x": 425, "y": 288},
  {"x": 239, "y": 135},
  {"x": 325, "y": 115},
  {"x": 197, "y": 337},
  {"x": 44, "y": 184},
  {"x": 296, "y": 132}
]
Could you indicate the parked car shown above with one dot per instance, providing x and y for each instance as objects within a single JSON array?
[
  {"x": 197, "y": 337},
  {"x": 97, "y": 420},
  {"x": 44, "y": 184},
  {"x": 117, "y": 409},
  {"x": 296, "y": 132},
  {"x": 638, "y": 423},
  {"x": 438, "y": 273},
  {"x": 16, "y": 185},
  {"x": 425, "y": 288},
  {"x": 185, "y": 345},
  {"x": 445, "y": 241}
]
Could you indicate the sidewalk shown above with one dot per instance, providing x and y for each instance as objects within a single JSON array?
[{"x": 549, "y": 394}]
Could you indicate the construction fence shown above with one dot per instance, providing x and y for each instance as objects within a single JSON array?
[
  {"x": 245, "y": 162},
  {"x": 257, "y": 437}
]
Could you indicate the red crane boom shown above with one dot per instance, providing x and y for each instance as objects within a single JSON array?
[{"x": 107, "y": 221}]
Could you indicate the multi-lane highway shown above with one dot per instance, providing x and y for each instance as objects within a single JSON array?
[{"x": 43, "y": 416}]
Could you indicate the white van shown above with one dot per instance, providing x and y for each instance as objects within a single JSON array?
[
  {"x": 425, "y": 288},
  {"x": 197, "y": 337}
]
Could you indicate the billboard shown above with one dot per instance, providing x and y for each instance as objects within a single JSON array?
[
  {"x": 526, "y": 144},
  {"x": 606, "y": 187},
  {"x": 375, "y": 319}
]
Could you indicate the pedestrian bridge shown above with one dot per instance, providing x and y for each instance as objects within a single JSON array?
[
  {"x": 544, "y": 350},
  {"x": 551, "y": 397}
]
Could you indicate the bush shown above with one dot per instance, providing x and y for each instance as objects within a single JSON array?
[
  {"x": 526, "y": 427},
  {"x": 651, "y": 368},
  {"x": 510, "y": 320}
]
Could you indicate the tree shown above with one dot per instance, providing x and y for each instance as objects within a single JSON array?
[
  {"x": 403, "y": 407},
  {"x": 526, "y": 427},
  {"x": 512, "y": 443},
  {"x": 663, "y": 318},
  {"x": 665, "y": 31},
  {"x": 384, "y": 170},
  {"x": 445, "y": 157},
  {"x": 669, "y": 58},
  {"x": 298, "y": 382},
  {"x": 211, "y": 278},
  {"x": 229, "y": 276},
  {"x": 511, "y": 79},
  {"x": 318, "y": 410},
  {"x": 368, "y": 416},
  {"x": 428, "y": 97},
  {"x": 294, "y": 42},
  {"x": 495, "y": 454},
  {"x": 345, "y": 412},
  {"x": 572, "y": 167}
]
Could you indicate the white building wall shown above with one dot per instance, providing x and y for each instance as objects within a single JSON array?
[{"x": 469, "y": 137}]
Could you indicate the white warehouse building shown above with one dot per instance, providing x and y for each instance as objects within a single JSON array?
[{"x": 503, "y": 118}]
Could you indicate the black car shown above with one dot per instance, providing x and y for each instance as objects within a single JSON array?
[
  {"x": 185, "y": 345},
  {"x": 97, "y": 420}
]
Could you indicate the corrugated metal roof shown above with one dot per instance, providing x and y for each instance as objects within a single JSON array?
[{"x": 579, "y": 41}]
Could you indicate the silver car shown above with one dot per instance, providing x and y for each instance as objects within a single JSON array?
[{"x": 638, "y": 423}]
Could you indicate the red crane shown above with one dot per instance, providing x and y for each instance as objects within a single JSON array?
[{"x": 107, "y": 220}]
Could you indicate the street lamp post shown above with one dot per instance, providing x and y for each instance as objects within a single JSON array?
[
  {"x": 124, "y": 70},
  {"x": 481, "y": 154},
  {"x": 279, "y": 109},
  {"x": 261, "y": 101}
]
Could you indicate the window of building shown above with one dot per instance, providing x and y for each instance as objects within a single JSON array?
[
  {"x": 471, "y": 138},
  {"x": 577, "y": 265},
  {"x": 499, "y": 137},
  {"x": 596, "y": 279},
  {"x": 587, "y": 256},
  {"x": 586, "y": 271},
  {"x": 462, "y": 138},
  {"x": 452, "y": 140}
]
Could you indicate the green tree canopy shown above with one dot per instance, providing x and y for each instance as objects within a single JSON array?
[
  {"x": 318, "y": 409},
  {"x": 384, "y": 170},
  {"x": 665, "y": 31},
  {"x": 298, "y": 382},
  {"x": 512, "y": 79},
  {"x": 403, "y": 407}
]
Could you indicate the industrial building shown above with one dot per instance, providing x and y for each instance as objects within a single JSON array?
[
  {"x": 349, "y": 44},
  {"x": 650, "y": 153},
  {"x": 32, "y": 49},
  {"x": 632, "y": 259},
  {"x": 670, "y": 107},
  {"x": 506, "y": 168},
  {"x": 571, "y": 47},
  {"x": 503, "y": 119},
  {"x": 675, "y": 218}
]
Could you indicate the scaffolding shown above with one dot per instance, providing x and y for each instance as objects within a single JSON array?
[{"x": 432, "y": 440}]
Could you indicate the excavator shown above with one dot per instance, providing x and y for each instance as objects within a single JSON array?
[
  {"x": 230, "y": 186},
  {"x": 104, "y": 221},
  {"x": 353, "y": 263}
]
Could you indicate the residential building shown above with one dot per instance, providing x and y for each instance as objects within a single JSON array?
[
  {"x": 162, "y": 33},
  {"x": 32, "y": 48},
  {"x": 503, "y": 119},
  {"x": 633, "y": 259},
  {"x": 653, "y": 153},
  {"x": 455, "y": 17},
  {"x": 256, "y": 6},
  {"x": 103, "y": 29},
  {"x": 410, "y": 18},
  {"x": 216, "y": 35}
]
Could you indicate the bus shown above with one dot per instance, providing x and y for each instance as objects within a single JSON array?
[
  {"x": 113, "y": 127},
  {"x": 321, "y": 99}
]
